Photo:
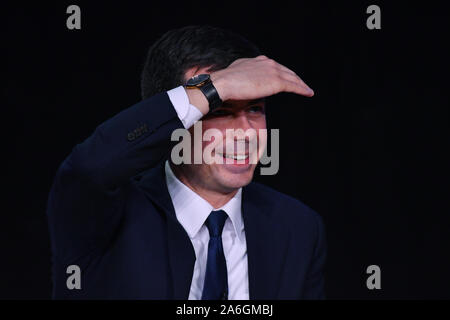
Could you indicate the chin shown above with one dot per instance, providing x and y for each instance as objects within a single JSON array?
[{"x": 232, "y": 180}]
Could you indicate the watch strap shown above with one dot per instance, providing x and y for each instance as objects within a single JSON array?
[{"x": 211, "y": 95}]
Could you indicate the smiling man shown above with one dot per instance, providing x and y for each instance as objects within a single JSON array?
[{"x": 141, "y": 226}]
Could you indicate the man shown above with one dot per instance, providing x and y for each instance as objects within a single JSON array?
[{"x": 137, "y": 226}]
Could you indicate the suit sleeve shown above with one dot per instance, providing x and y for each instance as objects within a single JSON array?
[
  {"x": 315, "y": 282},
  {"x": 86, "y": 200}
]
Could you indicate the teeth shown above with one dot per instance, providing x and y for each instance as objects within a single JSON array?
[
  {"x": 236, "y": 156},
  {"x": 240, "y": 157}
]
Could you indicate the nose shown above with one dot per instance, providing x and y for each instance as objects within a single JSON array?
[{"x": 244, "y": 132}]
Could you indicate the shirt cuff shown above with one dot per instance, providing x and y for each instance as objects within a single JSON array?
[{"x": 188, "y": 113}]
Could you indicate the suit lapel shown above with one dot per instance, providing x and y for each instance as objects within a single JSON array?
[
  {"x": 266, "y": 239},
  {"x": 266, "y": 245},
  {"x": 181, "y": 252}
]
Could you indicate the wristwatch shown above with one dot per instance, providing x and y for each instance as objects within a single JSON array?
[{"x": 204, "y": 83}]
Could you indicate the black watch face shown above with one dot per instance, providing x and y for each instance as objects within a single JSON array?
[{"x": 198, "y": 79}]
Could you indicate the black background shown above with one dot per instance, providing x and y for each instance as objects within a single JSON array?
[{"x": 368, "y": 151}]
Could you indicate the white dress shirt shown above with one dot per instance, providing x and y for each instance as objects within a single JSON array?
[
  {"x": 192, "y": 211},
  {"x": 187, "y": 112}
]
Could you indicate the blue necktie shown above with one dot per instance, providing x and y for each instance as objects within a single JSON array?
[{"x": 216, "y": 280}]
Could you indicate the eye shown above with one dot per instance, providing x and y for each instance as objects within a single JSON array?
[{"x": 256, "y": 109}]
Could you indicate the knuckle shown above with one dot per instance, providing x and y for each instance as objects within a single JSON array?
[
  {"x": 273, "y": 68},
  {"x": 274, "y": 73},
  {"x": 271, "y": 62}
]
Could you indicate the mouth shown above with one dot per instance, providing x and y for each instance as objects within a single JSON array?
[
  {"x": 239, "y": 157},
  {"x": 241, "y": 160}
]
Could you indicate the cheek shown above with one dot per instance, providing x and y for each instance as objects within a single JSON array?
[
  {"x": 212, "y": 139},
  {"x": 262, "y": 137},
  {"x": 260, "y": 123},
  {"x": 214, "y": 133}
]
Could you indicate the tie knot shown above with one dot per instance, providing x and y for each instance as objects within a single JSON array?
[{"x": 215, "y": 222}]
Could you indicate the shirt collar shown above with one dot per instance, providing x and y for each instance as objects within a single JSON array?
[{"x": 192, "y": 210}]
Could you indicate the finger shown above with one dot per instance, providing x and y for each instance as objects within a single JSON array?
[
  {"x": 294, "y": 87},
  {"x": 286, "y": 69},
  {"x": 296, "y": 79}
]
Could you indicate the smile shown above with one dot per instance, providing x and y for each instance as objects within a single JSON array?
[{"x": 235, "y": 156}]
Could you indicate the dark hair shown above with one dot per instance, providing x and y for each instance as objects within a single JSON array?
[{"x": 193, "y": 46}]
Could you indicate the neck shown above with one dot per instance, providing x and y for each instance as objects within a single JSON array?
[{"x": 215, "y": 198}]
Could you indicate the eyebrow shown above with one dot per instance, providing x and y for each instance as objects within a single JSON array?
[
  {"x": 257, "y": 101},
  {"x": 226, "y": 104}
]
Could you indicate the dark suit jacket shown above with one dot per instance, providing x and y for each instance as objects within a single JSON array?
[{"x": 110, "y": 213}]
